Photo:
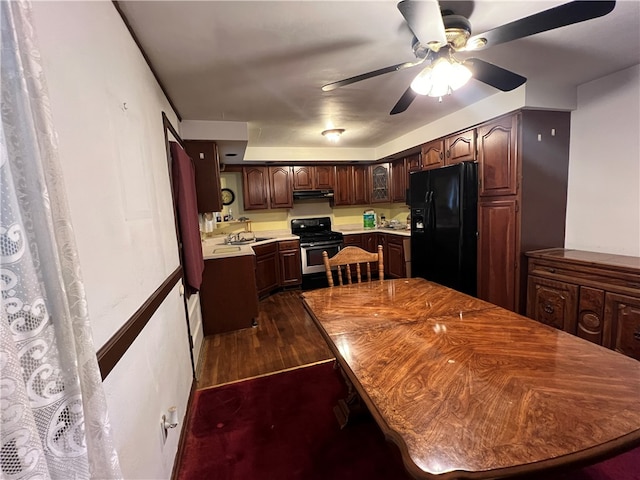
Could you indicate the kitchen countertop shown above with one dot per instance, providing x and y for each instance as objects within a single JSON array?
[
  {"x": 215, "y": 248},
  {"x": 354, "y": 229}
]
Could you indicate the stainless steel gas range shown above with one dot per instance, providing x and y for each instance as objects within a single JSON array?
[{"x": 316, "y": 236}]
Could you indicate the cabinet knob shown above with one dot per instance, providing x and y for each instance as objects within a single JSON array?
[
  {"x": 548, "y": 308},
  {"x": 551, "y": 270},
  {"x": 636, "y": 334}
]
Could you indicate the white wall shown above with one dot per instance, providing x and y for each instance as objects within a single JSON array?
[
  {"x": 603, "y": 204},
  {"x": 107, "y": 109}
]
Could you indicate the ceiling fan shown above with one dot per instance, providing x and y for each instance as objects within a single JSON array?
[{"x": 438, "y": 35}]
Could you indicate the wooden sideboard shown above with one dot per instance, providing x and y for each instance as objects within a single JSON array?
[{"x": 595, "y": 296}]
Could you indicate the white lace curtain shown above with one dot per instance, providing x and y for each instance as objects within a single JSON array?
[{"x": 53, "y": 414}]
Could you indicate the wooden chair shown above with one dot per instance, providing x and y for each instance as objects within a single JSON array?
[{"x": 349, "y": 256}]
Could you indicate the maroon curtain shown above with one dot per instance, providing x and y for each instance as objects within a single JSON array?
[{"x": 184, "y": 194}]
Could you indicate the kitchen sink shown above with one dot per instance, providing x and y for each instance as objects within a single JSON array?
[
  {"x": 225, "y": 249},
  {"x": 249, "y": 240}
]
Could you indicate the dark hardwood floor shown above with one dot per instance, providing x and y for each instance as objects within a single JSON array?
[{"x": 285, "y": 338}]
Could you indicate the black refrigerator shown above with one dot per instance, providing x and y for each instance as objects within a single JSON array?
[{"x": 444, "y": 225}]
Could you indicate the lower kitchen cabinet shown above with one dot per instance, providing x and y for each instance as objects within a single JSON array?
[
  {"x": 290, "y": 265},
  {"x": 267, "y": 271},
  {"x": 394, "y": 257},
  {"x": 498, "y": 252},
  {"x": 228, "y": 301},
  {"x": 353, "y": 239},
  {"x": 595, "y": 296},
  {"x": 277, "y": 265}
]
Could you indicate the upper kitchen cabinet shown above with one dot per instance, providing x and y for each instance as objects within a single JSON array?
[
  {"x": 267, "y": 187},
  {"x": 413, "y": 163},
  {"x": 204, "y": 154},
  {"x": 324, "y": 177},
  {"x": 497, "y": 157},
  {"x": 361, "y": 185},
  {"x": 281, "y": 188},
  {"x": 432, "y": 155},
  {"x": 399, "y": 180},
  {"x": 460, "y": 147},
  {"x": 380, "y": 183},
  {"x": 314, "y": 177},
  {"x": 351, "y": 185}
]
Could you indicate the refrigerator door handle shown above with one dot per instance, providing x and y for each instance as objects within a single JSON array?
[{"x": 429, "y": 208}]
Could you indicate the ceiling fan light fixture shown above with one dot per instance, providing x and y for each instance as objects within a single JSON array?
[
  {"x": 440, "y": 78},
  {"x": 333, "y": 134}
]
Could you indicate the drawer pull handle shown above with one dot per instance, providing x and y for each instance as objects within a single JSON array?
[
  {"x": 548, "y": 308},
  {"x": 551, "y": 270},
  {"x": 636, "y": 334}
]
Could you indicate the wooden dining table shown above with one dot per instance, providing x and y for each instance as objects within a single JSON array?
[{"x": 467, "y": 389}]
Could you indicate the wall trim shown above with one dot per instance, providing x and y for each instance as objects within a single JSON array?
[{"x": 112, "y": 351}]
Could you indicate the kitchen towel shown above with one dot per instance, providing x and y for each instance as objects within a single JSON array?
[{"x": 184, "y": 194}]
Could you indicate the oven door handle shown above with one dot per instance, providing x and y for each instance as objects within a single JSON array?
[{"x": 321, "y": 244}]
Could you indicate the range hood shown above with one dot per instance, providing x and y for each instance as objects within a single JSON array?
[{"x": 311, "y": 194}]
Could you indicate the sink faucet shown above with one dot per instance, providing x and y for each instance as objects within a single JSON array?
[{"x": 232, "y": 237}]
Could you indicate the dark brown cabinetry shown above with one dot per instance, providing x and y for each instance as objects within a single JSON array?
[
  {"x": 255, "y": 184},
  {"x": 290, "y": 266},
  {"x": 352, "y": 185},
  {"x": 413, "y": 163},
  {"x": 277, "y": 264},
  {"x": 314, "y": 177},
  {"x": 267, "y": 271},
  {"x": 460, "y": 147},
  {"x": 497, "y": 157},
  {"x": 370, "y": 242},
  {"x": 228, "y": 301},
  {"x": 361, "y": 185},
  {"x": 343, "y": 194},
  {"x": 353, "y": 239},
  {"x": 595, "y": 296},
  {"x": 267, "y": 187},
  {"x": 380, "y": 183},
  {"x": 432, "y": 155},
  {"x": 553, "y": 303},
  {"x": 523, "y": 167},
  {"x": 622, "y": 319},
  {"x": 204, "y": 154},
  {"x": 497, "y": 247},
  {"x": 394, "y": 256},
  {"x": 398, "y": 180},
  {"x": 392, "y": 250}
]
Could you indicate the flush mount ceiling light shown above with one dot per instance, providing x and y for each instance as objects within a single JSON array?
[
  {"x": 441, "y": 77},
  {"x": 333, "y": 134}
]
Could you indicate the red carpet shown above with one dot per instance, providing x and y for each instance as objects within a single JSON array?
[{"x": 282, "y": 427}]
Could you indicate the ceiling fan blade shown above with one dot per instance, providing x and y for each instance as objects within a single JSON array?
[
  {"x": 348, "y": 81},
  {"x": 425, "y": 20},
  {"x": 405, "y": 100},
  {"x": 560, "y": 16},
  {"x": 494, "y": 75}
]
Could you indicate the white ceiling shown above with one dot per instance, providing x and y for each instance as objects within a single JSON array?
[{"x": 264, "y": 62}]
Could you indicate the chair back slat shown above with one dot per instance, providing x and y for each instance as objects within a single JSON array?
[{"x": 347, "y": 257}]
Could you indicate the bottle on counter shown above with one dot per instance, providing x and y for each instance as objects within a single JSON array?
[{"x": 369, "y": 219}]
